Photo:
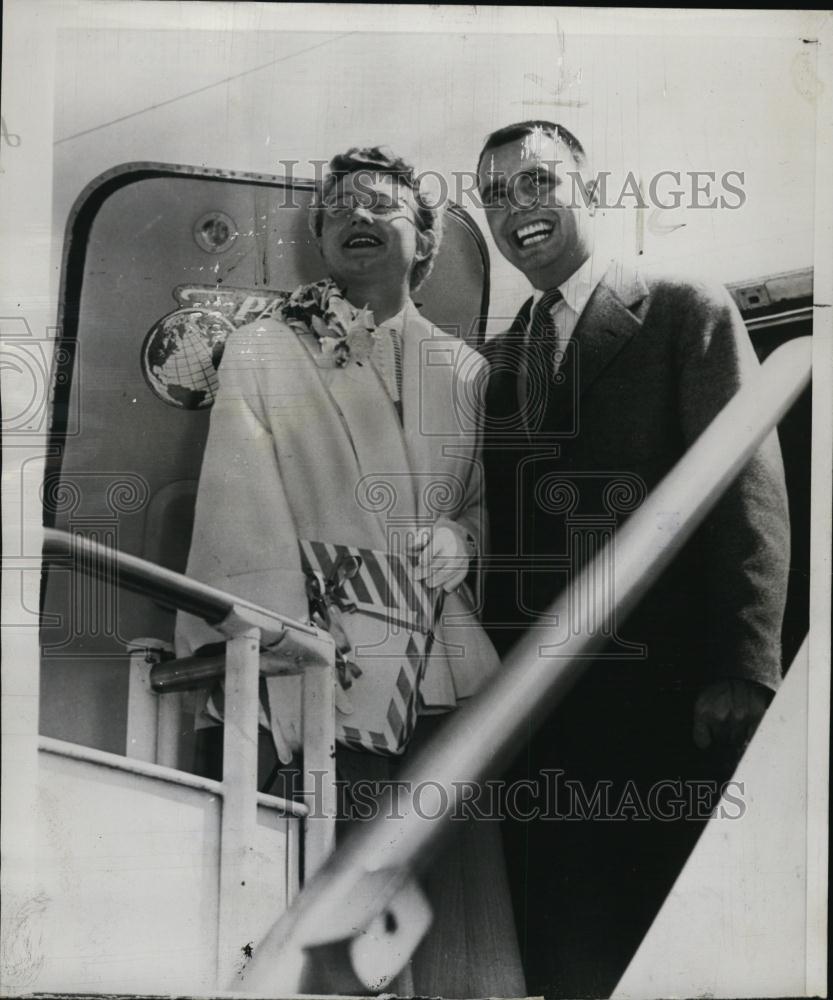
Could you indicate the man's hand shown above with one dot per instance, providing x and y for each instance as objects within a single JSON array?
[
  {"x": 443, "y": 555},
  {"x": 728, "y": 712}
]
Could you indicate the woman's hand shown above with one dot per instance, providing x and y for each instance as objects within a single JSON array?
[{"x": 443, "y": 553}]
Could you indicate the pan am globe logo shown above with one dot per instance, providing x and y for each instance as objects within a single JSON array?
[
  {"x": 182, "y": 351},
  {"x": 181, "y": 354}
]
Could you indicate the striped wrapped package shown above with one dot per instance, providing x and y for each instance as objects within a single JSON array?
[{"x": 388, "y": 618}]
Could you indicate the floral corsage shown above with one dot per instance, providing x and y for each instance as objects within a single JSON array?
[{"x": 343, "y": 332}]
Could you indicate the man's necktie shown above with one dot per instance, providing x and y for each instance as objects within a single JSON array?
[
  {"x": 542, "y": 323},
  {"x": 540, "y": 358}
]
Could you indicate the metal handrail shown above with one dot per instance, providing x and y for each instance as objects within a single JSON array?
[
  {"x": 295, "y": 641},
  {"x": 187, "y": 674},
  {"x": 353, "y": 890}
]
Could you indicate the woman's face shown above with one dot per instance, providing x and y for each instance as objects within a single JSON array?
[{"x": 369, "y": 231}]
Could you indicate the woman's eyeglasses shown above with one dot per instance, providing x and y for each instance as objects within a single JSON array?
[{"x": 378, "y": 206}]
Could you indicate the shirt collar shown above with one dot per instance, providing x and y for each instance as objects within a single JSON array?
[
  {"x": 577, "y": 289},
  {"x": 396, "y": 324}
]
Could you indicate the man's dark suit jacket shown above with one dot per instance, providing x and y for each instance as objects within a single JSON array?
[{"x": 651, "y": 362}]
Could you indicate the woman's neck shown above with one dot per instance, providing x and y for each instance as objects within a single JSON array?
[{"x": 383, "y": 302}]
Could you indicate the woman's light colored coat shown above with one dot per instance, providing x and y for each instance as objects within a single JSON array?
[{"x": 299, "y": 448}]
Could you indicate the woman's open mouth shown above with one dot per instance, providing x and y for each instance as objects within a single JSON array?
[{"x": 361, "y": 241}]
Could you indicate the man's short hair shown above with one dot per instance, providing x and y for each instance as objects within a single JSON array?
[
  {"x": 381, "y": 160},
  {"x": 510, "y": 133}
]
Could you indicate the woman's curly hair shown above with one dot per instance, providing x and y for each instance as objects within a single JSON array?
[{"x": 381, "y": 160}]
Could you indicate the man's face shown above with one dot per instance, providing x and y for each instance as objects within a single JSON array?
[
  {"x": 534, "y": 198},
  {"x": 369, "y": 230}
]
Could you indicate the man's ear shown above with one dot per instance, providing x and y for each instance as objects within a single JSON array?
[{"x": 591, "y": 187}]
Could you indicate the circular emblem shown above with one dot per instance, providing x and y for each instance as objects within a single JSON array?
[
  {"x": 181, "y": 354},
  {"x": 215, "y": 232}
]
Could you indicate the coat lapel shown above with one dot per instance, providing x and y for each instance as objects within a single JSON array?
[
  {"x": 427, "y": 401},
  {"x": 506, "y": 391},
  {"x": 604, "y": 328},
  {"x": 372, "y": 428},
  {"x": 607, "y": 323}
]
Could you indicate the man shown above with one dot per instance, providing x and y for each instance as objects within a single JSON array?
[{"x": 599, "y": 387}]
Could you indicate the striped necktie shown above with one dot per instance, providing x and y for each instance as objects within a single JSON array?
[
  {"x": 539, "y": 358},
  {"x": 542, "y": 324}
]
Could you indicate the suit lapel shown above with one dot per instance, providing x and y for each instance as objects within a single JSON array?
[
  {"x": 607, "y": 323},
  {"x": 506, "y": 392},
  {"x": 605, "y": 327}
]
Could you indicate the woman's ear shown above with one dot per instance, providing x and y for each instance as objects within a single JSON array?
[{"x": 426, "y": 242}]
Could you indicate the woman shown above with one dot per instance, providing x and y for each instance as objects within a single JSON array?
[{"x": 345, "y": 421}]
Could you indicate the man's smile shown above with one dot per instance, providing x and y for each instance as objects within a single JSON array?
[{"x": 532, "y": 233}]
